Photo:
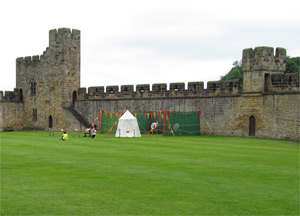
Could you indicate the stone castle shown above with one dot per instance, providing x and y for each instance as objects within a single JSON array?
[{"x": 48, "y": 95}]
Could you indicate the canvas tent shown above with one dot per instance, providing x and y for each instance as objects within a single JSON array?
[{"x": 128, "y": 126}]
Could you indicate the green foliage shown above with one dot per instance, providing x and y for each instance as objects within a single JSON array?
[
  {"x": 235, "y": 72},
  {"x": 194, "y": 175},
  {"x": 293, "y": 65}
]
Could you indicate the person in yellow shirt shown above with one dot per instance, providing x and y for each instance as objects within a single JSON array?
[{"x": 64, "y": 136}]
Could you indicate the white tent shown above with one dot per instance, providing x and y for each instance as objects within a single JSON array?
[{"x": 128, "y": 126}]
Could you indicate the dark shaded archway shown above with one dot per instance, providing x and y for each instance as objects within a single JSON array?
[
  {"x": 50, "y": 122},
  {"x": 252, "y": 126}
]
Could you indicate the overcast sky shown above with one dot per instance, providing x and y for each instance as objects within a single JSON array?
[{"x": 146, "y": 42}]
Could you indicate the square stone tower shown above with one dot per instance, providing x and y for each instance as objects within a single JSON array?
[
  {"x": 258, "y": 65},
  {"x": 50, "y": 82}
]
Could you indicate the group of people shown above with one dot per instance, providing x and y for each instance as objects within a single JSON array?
[{"x": 90, "y": 131}]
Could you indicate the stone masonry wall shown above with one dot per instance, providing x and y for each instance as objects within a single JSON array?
[
  {"x": 277, "y": 115},
  {"x": 11, "y": 116}
]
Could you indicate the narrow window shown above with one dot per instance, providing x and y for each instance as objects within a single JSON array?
[
  {"x": 32, "y": 87},
  {"x": 74, "y": 97},
  {"x": 267, "y": 80},
  {"x": 21, "y": 95}
]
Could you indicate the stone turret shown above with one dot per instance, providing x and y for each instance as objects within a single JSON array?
[{"x": 259, "y": 64}]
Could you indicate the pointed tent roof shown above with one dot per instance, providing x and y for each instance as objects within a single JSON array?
[{"x": 127, "y": 115}]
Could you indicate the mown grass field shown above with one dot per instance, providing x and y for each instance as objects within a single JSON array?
[{"x": 156, "y": 175}]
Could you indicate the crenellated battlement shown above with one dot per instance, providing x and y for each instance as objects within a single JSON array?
[
  {"x": 28, "y": 60},
  {"x": 263, "y": 59},
  {"x": 64, "y": 37},
  {"x": 286, "y": 82},
  {"x": 11, "y": 96},
  {"x": 214, "y": 88},
  {"x": 279, "y": 82},
  {"x": 58, "y": 38}
]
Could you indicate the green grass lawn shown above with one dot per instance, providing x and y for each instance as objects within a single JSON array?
[{"x": 156, "y": 175}]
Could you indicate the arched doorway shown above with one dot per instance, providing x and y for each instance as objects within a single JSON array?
[
  {"x": 252, "y": 126},
  {"x": 74, "y": 97},
  {"x": 50, "y": 122}
]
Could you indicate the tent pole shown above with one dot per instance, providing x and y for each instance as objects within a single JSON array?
[
  {"x": 165, "y": 116},
  {"x": 150, "y": 114},
  {"x": 200, "y": 122},
  {"x": 101, "y": 120}
]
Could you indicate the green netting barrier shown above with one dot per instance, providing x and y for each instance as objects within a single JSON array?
[
  {"x": 109, "y": 122},
  {"x": 182, "y": 124},
  {"x": 165, "y": 122}
]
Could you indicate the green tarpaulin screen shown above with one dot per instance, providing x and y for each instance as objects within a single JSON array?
[{"x": 168, "y": 123}]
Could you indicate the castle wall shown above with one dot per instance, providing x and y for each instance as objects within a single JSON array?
[
  {"x": 215, "y": 110},
  {"x": 277, "y": 115},
  {"x": 48, "y": 87},
  {"x": 11, "y": 116}
]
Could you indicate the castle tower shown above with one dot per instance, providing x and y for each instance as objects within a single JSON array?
[
  {"x": 50, "y": 82},
  {"x": 258, "y": 65},
  {"x": 65, "y": 45}
]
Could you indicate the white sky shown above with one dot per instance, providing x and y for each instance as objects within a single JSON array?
[{"x": 146, "y": 42}]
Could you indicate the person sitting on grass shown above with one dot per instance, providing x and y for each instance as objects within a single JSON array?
[
  {"x": 94, "y": 133},
  {"x": 64, "y": 136},
  {"x": 87, "y": 131}
]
